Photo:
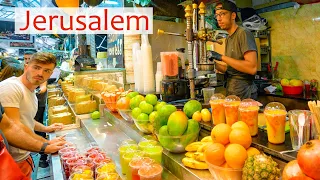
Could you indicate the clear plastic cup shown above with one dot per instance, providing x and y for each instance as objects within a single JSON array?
[
  {"x": 154, "y": 152},
  {"x": 80, "y": 176},
  {"x": 123, "y": 149},
  {"x": 108, "y": 176},
  {"x": 218, "y": 114},
  {"x": 73, "y": 162},
  {"x": 106, "y": 168},
  {"x": 231, "y": 108},
  {"x": 152, "y": 172},
  {"x": 67, "y": 150},
  {"x": 275, "y": 114},
  {"x": 248, "y": 112},
  {"x": 137, "y": 163},
  {"x": 302, "y": 129},
  {"x": 143, "y": 144},
  {"x": 128, "y": 156},
  {"x": 83, "y": 169},
  {"x": 128, "y": 141}
]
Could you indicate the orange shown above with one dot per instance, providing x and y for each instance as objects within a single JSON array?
[
  {"x": 252, "y": 151},
  {"x": 214, "y": 154},
  {"x": 225, "y": 165},
  {"x": 240, "y": 125},
  {"x": 238, "y": 136},
  {"x": 235, "y": 155},
  {"x": 220, "y": 133},
  {"x": 197, "y": 116},
  {"x": 123, "y": 103}
]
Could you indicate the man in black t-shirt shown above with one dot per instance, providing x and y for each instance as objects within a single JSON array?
[{"x": 240, "y": 53}]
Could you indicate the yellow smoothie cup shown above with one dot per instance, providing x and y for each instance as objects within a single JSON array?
[
  {"x": 248, "y": 113},
  {"x": 231, "y": 108},
  {"x": 218, "y": 114}
]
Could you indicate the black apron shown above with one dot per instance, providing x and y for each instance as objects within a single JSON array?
[{"x": 242, "y": 87}]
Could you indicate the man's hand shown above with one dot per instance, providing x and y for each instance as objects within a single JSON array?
[
  {"x": 212, "y": 55},
  {"x": 54, "y": 127},
  {"x": 56, "y": 140},
  {"x": 52, "y": 148}
]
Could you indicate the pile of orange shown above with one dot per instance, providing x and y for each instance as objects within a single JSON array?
[{"x": 231, "y": 145}]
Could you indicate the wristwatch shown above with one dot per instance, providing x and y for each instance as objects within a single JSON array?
[{"x": 43, "y": 148}]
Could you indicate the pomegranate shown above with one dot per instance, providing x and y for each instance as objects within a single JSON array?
[
  {"x": 309, "y": 159},
  {"x": 292, "y": 171}
]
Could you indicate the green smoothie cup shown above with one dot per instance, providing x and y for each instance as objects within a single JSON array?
[
  {"x": 143, "y": 144},
  {"x": 123, "y": 149},
  {"x": 154, "y": 152}
]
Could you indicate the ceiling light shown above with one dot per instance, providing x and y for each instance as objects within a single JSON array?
[{"x": 6, "y": 3}]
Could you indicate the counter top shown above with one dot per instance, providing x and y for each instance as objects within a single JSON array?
[{"x": 311, "y": 96}]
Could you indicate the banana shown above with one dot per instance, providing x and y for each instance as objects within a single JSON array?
[
  {"x": 199, "y": 156},
  {"x": 203, "y": 147},
  {"x": 189, "y": 154},
  {"x": 193, "y": 146},
  {"x": 206, "y": 139},
  {"x": 194, "y": 164}
]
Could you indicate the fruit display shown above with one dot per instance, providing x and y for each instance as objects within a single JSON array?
[
  {"x": 275, "y": 114},
  {"x": 260, "y": 166},
  {"x": 111, "y": 98},
  {"x": 293, "y": 86},
  {"x": 309, "y": 159},
  {"x": 293, "y": 171}
]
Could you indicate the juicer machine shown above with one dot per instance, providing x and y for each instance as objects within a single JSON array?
[{"x": 197, "y": 35}]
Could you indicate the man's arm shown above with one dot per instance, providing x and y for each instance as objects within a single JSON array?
[
  {"x": 14, "y": 115},
  {"x": 248, "y": 65},
  {"x": 220, "y": 67},
  {"x": 18, "y": 137},
  {"x": 47, "y": 129}
]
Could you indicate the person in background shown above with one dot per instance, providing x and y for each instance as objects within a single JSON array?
[
  {"x": 12, "y": 69},
  {"x": 27, "y": 56},
  {"x": 240, "y": 54},
  {"x": 41, "y": 93},
  {"x": 20, "y": 104}
]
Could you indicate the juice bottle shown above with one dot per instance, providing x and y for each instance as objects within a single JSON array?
[
  {"x": 123, "y": 149},
  {"x": 231, "y": 107},
  {"x": 218, "y": 114},
  {"x": 248, "y": 112},
  {"x": 152, "y": 172},
  {"x": 275, "y": 114}
]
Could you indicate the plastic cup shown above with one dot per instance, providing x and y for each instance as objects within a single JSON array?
[
  {"x": 128, "y": 141},
  {"x": 218, "y": 114},
  {"x": 108, "y": 176},
  {"x": 152, "y": 172},
  {"x": 154, "y": 152},
  {"x": 71, "y": 163},
  {"x": 106, "y": 168},
  {"x": 81, "y": 176},
  {"x": 123, "y": 149},
  {"x": 137, "y": 163},
  {"x": 275, "y": 114},
  {"x": 127, "y": 157},
  {"x": 67, "y": 150},
  {"x": 295, "y": 128},
  {"x": 143, "y": 144},
  {"x": 83, "y": 169},
  {"x": 248, "y": 112},
  {"x": 231, "y": 108}
]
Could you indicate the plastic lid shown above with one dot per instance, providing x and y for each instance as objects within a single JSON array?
[
  {"x": 246, "y": 103},
  {"x": 217, "y": 96},
  {"x": 275, "y": 106}
]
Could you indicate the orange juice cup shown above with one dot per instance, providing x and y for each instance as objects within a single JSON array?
[
  {"x": 275, "y": 114},
  {"x": 218, "y": 115},
  {"x": 231, "y": 107},
  {"x": 152, "y": 172},
  {"x": 248, "y": 112}
]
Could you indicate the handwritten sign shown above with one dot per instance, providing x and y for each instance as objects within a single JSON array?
[{"x": 115, "y": 50}]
